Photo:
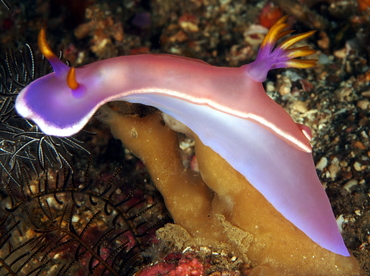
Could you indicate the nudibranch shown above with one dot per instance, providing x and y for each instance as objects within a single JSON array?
[{"x": 227, "y": 108}]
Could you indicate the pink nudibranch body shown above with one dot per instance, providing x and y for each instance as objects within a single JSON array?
[{"x": 226, "y": 107}]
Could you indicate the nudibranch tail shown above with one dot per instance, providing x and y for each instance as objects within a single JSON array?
[
  {"x": 271, "y": 57},
  {"x": 59, "y": 67}
]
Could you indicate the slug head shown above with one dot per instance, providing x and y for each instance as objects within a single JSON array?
[{"x": 60, "y": 92}]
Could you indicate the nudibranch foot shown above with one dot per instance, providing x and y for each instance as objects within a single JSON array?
[{"x": 270, "y": 57}]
